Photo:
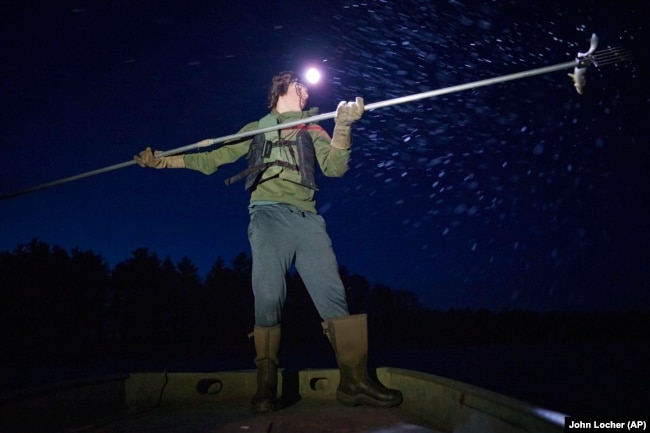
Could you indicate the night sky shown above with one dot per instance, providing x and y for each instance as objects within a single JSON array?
[{"x": 517, "y": 195}]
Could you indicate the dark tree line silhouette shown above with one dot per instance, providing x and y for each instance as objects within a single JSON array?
[
  {"x": 55, "y": 303},
  {"x": 70, "y": 303}
]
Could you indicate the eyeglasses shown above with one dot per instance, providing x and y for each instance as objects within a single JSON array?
[
  {"x": 298, "y": 81},
  {"x": 300, "y": 87}
]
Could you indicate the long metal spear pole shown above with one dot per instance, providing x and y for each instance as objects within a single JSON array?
[{"x": 319, "y": 117}]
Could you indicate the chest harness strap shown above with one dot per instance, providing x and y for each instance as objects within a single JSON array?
[{"x": 295, "y": 155}]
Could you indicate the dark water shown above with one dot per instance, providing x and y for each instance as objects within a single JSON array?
[{"x": 581, "y": 379}]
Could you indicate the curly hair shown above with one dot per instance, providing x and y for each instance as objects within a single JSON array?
[{"x": 280, "y": 85}]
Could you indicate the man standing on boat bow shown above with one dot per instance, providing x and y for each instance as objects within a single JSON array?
[{"x": 285, "y": 229}]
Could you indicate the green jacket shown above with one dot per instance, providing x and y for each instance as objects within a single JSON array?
[{"x": 277, "y": 188}]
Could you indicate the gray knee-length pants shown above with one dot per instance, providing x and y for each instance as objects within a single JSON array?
[{"x": 280, "y": 235}]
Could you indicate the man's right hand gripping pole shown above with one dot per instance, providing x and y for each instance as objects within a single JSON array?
[
  {"x": 147, "y": 158},
  {"x": 346, "y": 114}
]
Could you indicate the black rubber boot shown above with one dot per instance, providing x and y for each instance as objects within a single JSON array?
[
  {"x": 349, "y": 338},
  {"x": 267, "y": 343}
]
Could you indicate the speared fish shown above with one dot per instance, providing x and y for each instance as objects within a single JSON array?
[{"x": 584, "y": 60}]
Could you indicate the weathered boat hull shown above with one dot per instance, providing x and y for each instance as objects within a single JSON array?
[{"x": 218, "y": 402}]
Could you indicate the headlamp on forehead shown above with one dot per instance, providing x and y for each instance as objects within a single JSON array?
[{"x": 312, "y": 75}]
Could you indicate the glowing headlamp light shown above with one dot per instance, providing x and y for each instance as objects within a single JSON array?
[{"x": 312, "y": 76}]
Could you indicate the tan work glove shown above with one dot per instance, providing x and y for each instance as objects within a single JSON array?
[
  {"x": 346, "y": 114},
  {"x": 146, "y": 158}
]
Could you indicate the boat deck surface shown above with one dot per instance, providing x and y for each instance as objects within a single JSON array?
[
  {"x": 218, "y": 402},
  {"x": 307, "y": 415}
]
